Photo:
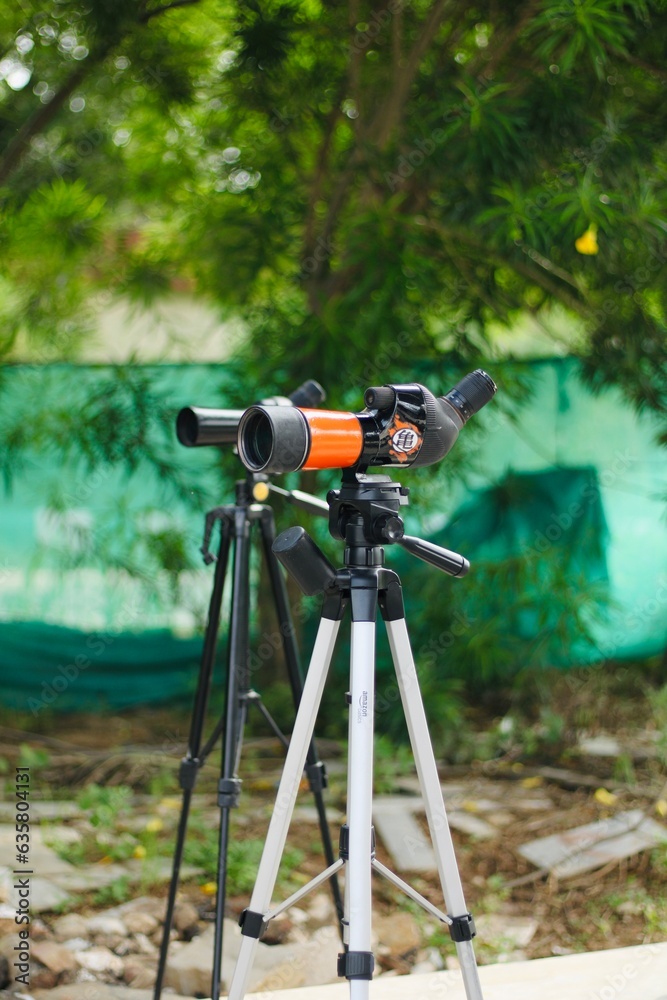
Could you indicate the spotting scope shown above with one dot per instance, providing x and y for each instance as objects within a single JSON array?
[
  {"x": 200, "y": 425},
  {"x": 401, "y": 425}
]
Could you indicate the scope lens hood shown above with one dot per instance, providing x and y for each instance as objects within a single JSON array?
[{"x": 273, "y": 439}]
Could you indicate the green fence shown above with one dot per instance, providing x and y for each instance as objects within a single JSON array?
[{"x": 561, "y": 494}]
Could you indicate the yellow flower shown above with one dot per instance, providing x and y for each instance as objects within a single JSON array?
[
  {"x": 170, "y": 802},
  {"x": 661, "y": 807},
  {"x": 154, "y": 825},
  {"x": 533, "y": 782},
  {"x": 588, "y": 241},
  {"x": 209, "y": 888},
  {"x": 604, "y": 797},
  {"x": 139, "y": 851}
]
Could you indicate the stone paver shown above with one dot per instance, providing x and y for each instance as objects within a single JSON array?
[
  {"x": 595, "y": 844},
  {"x": 409, "y": 846}
]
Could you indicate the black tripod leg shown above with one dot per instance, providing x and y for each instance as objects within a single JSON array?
[
  {"x": 235, "y": 712},
  {"x": 190, "y": 763},
  {"x": 315, "y": 769}
]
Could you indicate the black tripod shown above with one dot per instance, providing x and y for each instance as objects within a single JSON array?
[{"x": 236, "y": 522}]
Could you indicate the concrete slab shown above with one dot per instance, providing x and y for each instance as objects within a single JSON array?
[
  {"x": 591, "y": 846},
  {"x": 43, "y": 859},
  {"x": 474, "y": 826},
  {"x": 42, "y": 810},
  {"x": 631, "y": 973},
  {"x": 409, "y": 846}
]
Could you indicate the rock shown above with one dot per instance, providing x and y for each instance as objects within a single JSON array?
[
  {"x": 145, "y": 946},
  {"x": 107, "y": 923},
  {"x": 186, "y": 918},
  {"x": 100, "y": 960},
  {"x": 189, "y": 969},
  {"x": 399, "y": 932},
  {"x": 429, "y": 960},
  {"x": 507, "y": 930},
  {"x": 111, "y": 941},
  {"x": 55, "y": 957},
  {"x": 312, "y": 962},
  {"x": 42, "y": 978},
  {"x": 143, "y": 904},
  {"x": 138, "y": 975},
  {"x": 138, "y": 922},
  {"x": 44, "y": 894},
  {"x": 76, "y": 944},
  {"x": 321, "y": 910},
  {"x": 70, "y": 926}
]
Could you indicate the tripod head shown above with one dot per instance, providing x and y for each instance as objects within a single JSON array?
[{"x": 364, "y": 513}]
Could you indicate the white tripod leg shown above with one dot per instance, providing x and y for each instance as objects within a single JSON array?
[
  {"x": 276, "y": 836},
  {"x": 436, "y": 815},
  {"x": 360, "y": 805}
]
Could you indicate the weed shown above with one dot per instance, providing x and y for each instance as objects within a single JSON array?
[
  {"x": 104, "y": 803},
  {"x": 243, "y": 858},
  {"x": 114, "y": 893}
]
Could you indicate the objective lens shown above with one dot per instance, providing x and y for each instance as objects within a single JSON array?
[{"x": 257, "y": 440}]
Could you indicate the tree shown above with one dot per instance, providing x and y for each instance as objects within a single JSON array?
[{"x": 364, "y": 184}]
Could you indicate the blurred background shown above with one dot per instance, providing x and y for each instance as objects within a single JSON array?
[{"x": 206, "y": 202}]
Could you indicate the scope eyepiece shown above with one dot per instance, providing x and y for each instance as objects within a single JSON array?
[{"x": 470, "y": 394}]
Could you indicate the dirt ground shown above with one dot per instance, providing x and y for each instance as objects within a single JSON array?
[{"x": 622, "y": 904}]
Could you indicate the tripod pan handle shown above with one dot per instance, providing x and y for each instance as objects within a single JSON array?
[
  {"x": 304, "y": 560},
  {"x": 444, "y": 559}
]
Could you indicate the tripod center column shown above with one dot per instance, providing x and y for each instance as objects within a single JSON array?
[{"x": 360, "y": 785}]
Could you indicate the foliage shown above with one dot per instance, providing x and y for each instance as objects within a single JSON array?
[
  {"x": 366, "y": 185},
  {"x": 373, "y": 191},
  {"x": 105, "y": 803},
  {"x": 243, "y": 857}
]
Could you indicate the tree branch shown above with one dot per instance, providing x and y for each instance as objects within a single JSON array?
[
  {"x": 389, "y": 114},
  {"x": 149, "y": 14},
  {"x": 42, "y": 117},
  {"x": 642, "y": 64},
  {"x": 487, "y": 69},
  {"x": 521, "y": 267}
]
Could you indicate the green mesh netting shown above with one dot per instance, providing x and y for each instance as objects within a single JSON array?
[{"x": 559, "y": 505}]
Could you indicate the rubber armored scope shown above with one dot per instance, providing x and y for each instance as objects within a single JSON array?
[{"x": 402, "y": 425}]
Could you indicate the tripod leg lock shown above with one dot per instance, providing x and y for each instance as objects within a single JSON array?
[
  {"x": 344, "y": 842},
  {"x": 229, "y": 790},
  {"x": 462, "y": 928},
  {"x": 252, "y": 924},
  {"x": 356, "y": 964},
  {"x": 317, "y": 776},
  {"x": 187, "y": 773}
]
